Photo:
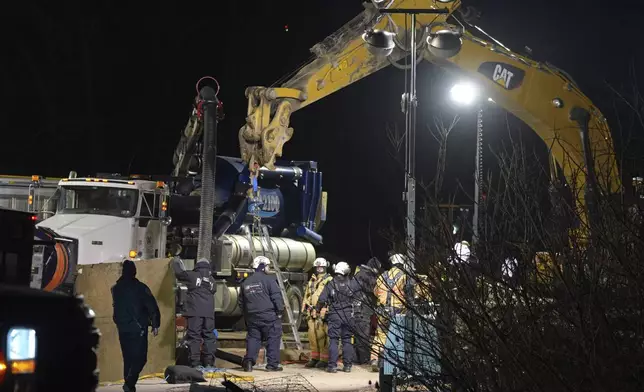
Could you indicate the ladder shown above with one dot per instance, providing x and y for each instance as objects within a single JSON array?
[{"x": 260, "y": 230}]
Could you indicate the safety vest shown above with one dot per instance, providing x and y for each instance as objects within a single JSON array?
[
  {"x": 544, "y": 270},
  {"x": 390, "y": 288},
  {"x": 314, "y": 288}
]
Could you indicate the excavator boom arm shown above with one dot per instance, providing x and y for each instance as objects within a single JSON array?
[{"x": 542, "y": 96}]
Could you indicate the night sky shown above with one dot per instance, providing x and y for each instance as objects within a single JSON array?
[{"x": 95, "y": 87}]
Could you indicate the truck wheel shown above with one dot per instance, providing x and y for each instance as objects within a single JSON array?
[{"x": 294, "y": 298}]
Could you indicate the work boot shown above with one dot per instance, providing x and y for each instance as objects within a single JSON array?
[
  {"x": 322, "y": 364},
  {"x": 374, "y": 365},
  {"x": 311, "y": 363},
  {"x": 247, "y": 366},
  {"x": 277, "y": 368},
  {"x": 127, "y": 388},
  {"x": 332, "y": 370},
  {"x": 346, "y": 369}
]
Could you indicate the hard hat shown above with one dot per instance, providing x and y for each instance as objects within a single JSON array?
[
  {"x": 396, "y": 259},
  {"x": 320, "y": 262},
  {"x": 342, "y": 268},
  {"x": 462, "y": 249},
  {"x": 260, "y": 260},
  {"x": 509, "y": 266}
]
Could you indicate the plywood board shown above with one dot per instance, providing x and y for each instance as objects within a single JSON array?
[{"x": 94, "y": 282}]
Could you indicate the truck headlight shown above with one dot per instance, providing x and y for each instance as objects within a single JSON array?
[
  {"x": 21, "y": 344},
  {"x": 21, "y": 350}
]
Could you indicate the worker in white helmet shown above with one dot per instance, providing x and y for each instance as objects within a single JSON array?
[
  {"x": 390, "y": 292},
  {"x": 337, "y": 299},
  {"x": 318, "y": 336},
  {"x": 462, "y": 250},
  {"x": 260, "y": 299}
]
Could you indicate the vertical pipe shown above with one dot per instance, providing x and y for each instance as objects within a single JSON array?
[
  {"x": 209, "y": 155},
  {"x": 411, "y": 144},
  {"x": 306, "y": 188},
  {"x": 411, "y": 170},
  {"x": 478, "y": 174}
]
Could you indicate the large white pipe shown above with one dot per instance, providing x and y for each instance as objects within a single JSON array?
[{"x": 291, "y": 255}]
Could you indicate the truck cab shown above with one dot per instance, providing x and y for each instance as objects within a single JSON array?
[{"x": 102, "y": 219}]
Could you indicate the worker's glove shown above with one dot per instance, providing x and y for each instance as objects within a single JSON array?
[{"x": 323, "y": 313}]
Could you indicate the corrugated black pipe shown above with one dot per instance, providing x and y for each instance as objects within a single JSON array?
[
  {"x": 209, "y": 155},
  {"x": 225, "y": 220}
]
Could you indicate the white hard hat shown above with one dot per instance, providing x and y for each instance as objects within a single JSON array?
[
  {"x": 462, "y": 249},
  {"x": 342, "y": 268},
  {"x": 320, "y": 262},
  {"x": 260, "y": 260},
  {"x": 509, "y": 266},
  {"x": 396, "y": 259}
]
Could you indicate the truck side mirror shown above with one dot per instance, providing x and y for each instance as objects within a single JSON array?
[{"x": 166, "y": 220}]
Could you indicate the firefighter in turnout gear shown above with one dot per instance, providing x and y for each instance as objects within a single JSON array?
[
  {"x": 337, "y": 299},
  {"x": 318, "y": 333},
  {"x": 261, "y": 302},
  {"x": 389, "y": 290},
  {"x": 199, "y": 312}
]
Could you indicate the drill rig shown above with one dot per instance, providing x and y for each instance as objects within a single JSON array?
[{"x": 108, "y": 217}]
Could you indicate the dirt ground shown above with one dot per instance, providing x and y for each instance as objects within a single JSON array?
[{"x": 294, "y": 378}]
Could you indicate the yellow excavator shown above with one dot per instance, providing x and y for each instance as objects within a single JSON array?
[{"x": 541, "y": 95}]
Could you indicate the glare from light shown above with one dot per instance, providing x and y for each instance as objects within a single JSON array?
[
  {"x": 21, "y": 344},
  {"x": 464, "y": 93}
]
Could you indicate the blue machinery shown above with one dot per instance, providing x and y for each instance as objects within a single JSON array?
[
  {"x": 306, "y": 180},
  {"x": 410, "y": 351},
  {"x": 292, "y": 202}
]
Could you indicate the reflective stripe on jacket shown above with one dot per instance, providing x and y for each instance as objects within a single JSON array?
[
  {"x": 314, "y": 288},
  {"x": 390, "y": 288}
]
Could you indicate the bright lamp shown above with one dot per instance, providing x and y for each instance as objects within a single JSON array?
[{"x": 464, "y": 93}]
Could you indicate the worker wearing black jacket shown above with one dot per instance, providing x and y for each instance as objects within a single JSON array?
[
  {"x": 364, "y": 306},
  {"x": 199, "y": 311},
  {"x": 260, "y": 299},
  {"x": 135, "y": 309},
  {"x": 338, "y": 298}
]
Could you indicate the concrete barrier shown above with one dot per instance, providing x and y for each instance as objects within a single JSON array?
[{"x": 95, "y": 281}]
